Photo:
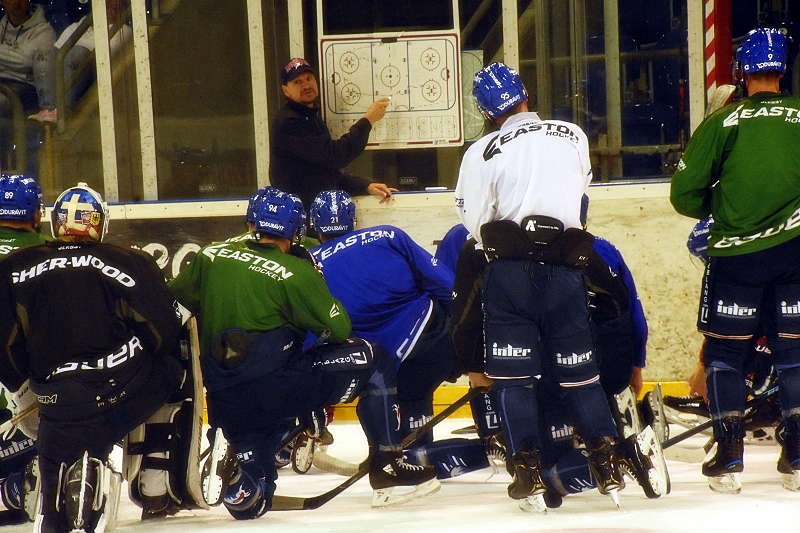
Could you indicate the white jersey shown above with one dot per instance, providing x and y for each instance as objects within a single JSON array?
[{"x": 529, "y": 167}]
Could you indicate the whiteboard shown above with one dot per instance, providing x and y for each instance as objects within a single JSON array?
[{"x": 421, "y": 73}]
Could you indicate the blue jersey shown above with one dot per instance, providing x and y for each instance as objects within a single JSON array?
[
  {"x": 387, "y": 284},
  {"x": 450, "y": 245},
  {"x": 613, "y": 258}
]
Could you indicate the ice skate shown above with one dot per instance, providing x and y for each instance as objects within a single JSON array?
[
  {"x": 526, "y": 484},
  {"x": 497, "y": 454},
  {"x": 533, "y": 504},
  {"x": 687, "y": 404},
  {"x": 724, "y": 468},
  {"x": 652, "y": 412},
  {"x": 641, "y": 458},
  {"x": 395, "y": 481},
  {"x": 629, "y": 422},
  {"x": 218, "y": 470},
  {"x": 789, "y": 461},
  {"x": 527, "y": 475},
  {"x": 303, "y": 453},
  {"x": 603, "y": 465},
  {"x": 32, "y": 486}
]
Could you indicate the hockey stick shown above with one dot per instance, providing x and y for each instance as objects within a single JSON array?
[
  {"x": 19, "y": 417},
  {"x": 707, "y": 424},
  {"x": 333, "y": 465},
  {"x": 293, "y": 503}
]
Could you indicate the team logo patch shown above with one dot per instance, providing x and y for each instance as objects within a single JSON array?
[
  {"x": 734, "y": 310},
  {"x": 240, "y": 496},
  {"x": 573, "y": 359}
]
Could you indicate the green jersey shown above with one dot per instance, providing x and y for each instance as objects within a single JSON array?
[
  {"x": 258, "y": 288},
  {"x": 13, "y": 238},
  {"x": 307, "y": 242},
  {"x": 742, "y": 165}
]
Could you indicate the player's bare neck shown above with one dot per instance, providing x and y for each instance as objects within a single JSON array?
[
  {"x": 282, "y": 244},
  {"x": 17, "y": 224},
  {"x": 763, "y": 84}
]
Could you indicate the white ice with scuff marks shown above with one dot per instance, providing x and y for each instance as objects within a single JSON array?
[{"x": 471, "y": 503}]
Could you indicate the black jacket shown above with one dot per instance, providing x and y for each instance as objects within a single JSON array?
[
  {"x": 304, "y": 160},
  {"x": 66, "y": 303}
]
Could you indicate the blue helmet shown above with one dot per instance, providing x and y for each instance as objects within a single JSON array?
[
  {"x": 79, "y": 212},
  {"x": 333, "y": 213},
  {"x": 20, "y": 198},
  {"x": 698, "y": 238},
  {"x": 251, "y": 203},
  {"x": 762, "y": 49},
  {"x": 276, "y": 214},
  {"x": 497, "y": 88}
]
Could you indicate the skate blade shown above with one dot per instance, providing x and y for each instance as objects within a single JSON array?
[
  {"x": 626, "y": 407},
  {"x": 614, "y": 495},
  {"x": 791, "y": 481},
  {"x": 533, "y": 504},
  {"x": 726, "y": 483},
  {"x": 212, "y": 484},
  {"x": 657, "y": 474},
  {"x": 660, "y": 424},
  {"x": 402, "y": 494}
]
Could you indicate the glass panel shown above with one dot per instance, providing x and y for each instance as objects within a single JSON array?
[
  {"x": 202, "y": 101},
  {"x": 416, "y": 169},
  {"x": 50, "y": 78},
  {"x": 570, "y": 38},
  {"x": 654, "y": 56}
]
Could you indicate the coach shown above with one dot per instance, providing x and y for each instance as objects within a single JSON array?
[{"x": 304, "y": 160}]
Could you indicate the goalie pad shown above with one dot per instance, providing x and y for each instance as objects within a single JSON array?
[{"x": 161, "y": 457}]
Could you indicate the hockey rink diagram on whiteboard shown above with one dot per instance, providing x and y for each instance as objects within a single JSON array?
[{"x": 420, "y": 74}]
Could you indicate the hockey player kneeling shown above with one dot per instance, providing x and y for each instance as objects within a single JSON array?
[
  {"x": 256, "y": 303},
  {"x": 94, "y": 327}
]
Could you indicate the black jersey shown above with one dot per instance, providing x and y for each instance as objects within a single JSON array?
[{"x": 81, "y": 307}]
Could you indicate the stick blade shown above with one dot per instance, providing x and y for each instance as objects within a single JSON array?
[{"x": 719, "y": 97}]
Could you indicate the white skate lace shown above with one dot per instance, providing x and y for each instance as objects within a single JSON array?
[{"x": 403, "y": 465}]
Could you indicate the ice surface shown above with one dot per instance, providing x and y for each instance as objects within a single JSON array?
[{"x": 477, "y": 503}]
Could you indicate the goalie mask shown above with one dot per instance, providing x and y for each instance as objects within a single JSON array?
[
  {"x": 20, "y": 198},
  {"x": 278, "y": 215},
  {"x": 497, "y": 89},
  {"x": 79, "y": 212},
  {"x": 333, "y": 213}
]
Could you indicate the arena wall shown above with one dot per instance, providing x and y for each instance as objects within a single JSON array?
[{"x": 637, "y": 218}]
